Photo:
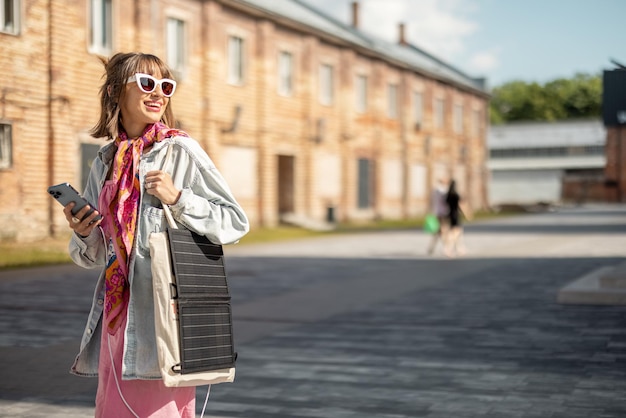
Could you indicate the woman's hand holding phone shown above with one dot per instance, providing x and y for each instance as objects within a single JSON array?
[
  {"x": 78, "y": 212},
  {"x": 80, "y": 223}
]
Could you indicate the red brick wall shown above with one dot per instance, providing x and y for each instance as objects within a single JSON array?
[
  {"x": 24, "y": 104},
  {"x": 615, "y": 171}
]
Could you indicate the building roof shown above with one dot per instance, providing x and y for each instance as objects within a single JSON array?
[
  {"x": 408, "y": 55},
  {"x": 547, "y": 134}
]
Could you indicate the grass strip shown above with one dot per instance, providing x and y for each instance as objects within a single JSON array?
[{"x": 54, "y": 250}]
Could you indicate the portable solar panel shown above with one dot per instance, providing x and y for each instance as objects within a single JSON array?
[{"x": 204, "y": 313}]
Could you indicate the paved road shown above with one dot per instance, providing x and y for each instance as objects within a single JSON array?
[{"x": 367, "y": 325}]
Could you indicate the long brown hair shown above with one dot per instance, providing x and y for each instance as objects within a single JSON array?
[{"x": 118, "y": 69}]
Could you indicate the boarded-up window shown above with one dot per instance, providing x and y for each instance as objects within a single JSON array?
[{"x": 6, "y": 146}]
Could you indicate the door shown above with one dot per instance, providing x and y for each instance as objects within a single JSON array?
[
  {"x": 286, "y": 166},
  {"x": 365, "y": 198}
]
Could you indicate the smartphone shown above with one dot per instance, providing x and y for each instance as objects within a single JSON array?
[{"x": 64, "y": 193}]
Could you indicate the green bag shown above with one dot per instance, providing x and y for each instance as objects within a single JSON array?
[{"x": 431, "y": 224}]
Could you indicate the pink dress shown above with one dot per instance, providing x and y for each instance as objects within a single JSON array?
[{"x": 148, "y": 398}]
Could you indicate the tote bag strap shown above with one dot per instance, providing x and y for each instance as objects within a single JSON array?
[
  {"x": 166, "y": 209},
  {"x": 170, "y": 219}
]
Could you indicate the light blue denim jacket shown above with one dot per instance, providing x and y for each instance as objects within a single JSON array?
[{"x": 206, "y": 206}]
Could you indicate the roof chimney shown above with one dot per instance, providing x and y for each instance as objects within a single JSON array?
[
  {"x": 355, "y": 14},
  {"x": 401, "y": 37}
]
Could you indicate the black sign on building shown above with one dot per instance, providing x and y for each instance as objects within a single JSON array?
[{"x": 614, "y": 97}]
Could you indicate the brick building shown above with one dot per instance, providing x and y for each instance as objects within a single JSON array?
[
  {"x": 614, "y": 118},
  {"x": 615, "y": 172},
  {"x": 300, "y": 112}
]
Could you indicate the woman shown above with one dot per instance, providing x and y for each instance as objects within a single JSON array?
[
  {"x": 131, "y": 180},
  {"x": 454, "y": 239},
  {"x": 440, "y": 210}
]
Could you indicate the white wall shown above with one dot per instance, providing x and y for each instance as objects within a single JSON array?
[
  {"x": 418, "y": 181},
  {"x": 328, "y": 177},
  {"x": 239, "y": 166},
  {"x": 526, "y": 187}
]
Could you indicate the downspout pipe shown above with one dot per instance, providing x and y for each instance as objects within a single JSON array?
[{"x": 51, "y": 159}]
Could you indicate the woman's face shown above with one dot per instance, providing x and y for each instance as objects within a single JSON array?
[{"x": 140, "y": 109}]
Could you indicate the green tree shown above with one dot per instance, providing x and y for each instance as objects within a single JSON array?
[{"x": 578, "y": 97}]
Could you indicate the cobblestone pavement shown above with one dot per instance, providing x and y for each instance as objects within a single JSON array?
[{"x": 366, "y": 325}]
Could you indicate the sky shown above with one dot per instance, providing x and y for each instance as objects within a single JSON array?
[{"x": 502, "y": 40}]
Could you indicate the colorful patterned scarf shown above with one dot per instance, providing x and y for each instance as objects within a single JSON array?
[{"x": 119, "y": 204}]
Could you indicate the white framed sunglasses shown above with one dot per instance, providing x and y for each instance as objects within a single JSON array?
[{"x": 148, "y": 84}]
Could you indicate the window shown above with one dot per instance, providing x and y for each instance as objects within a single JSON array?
[
  {"x": 326, "y": 84},
  {"x": 548, "y": 152},
  {"x": 10, "y": 16},
  {"x": 361, "y": 93},
  {"x": 439, "y": 112},
  {"x": 285, "y": 74},
  {"x": 418, "y": 108},
  {"x": 88, "y": 153},
  {"x": 392, "y": 101},
  {"x": 235, "y": 60},
  {"x": 458, "y": 119},
  {"x": 101, "y": 27},
  {"x": 176, "y": 45},
  {"x": 476, "y": 117},
  {"x": 6, "y": 146}
]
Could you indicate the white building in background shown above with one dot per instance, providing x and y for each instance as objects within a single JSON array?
[{"x": 530, "y": 162}]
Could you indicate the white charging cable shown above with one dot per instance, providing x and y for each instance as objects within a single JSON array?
[
  {"x": 119, "y": 390},
  {"x": 116, "y": 382},
  {"x": 208, "y": 391}
]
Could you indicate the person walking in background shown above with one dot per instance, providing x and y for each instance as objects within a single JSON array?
[
  {"x": 454, "y": 244},
  {"x": 131, "y": 181},
  {"x": 439, "y": 208}
]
